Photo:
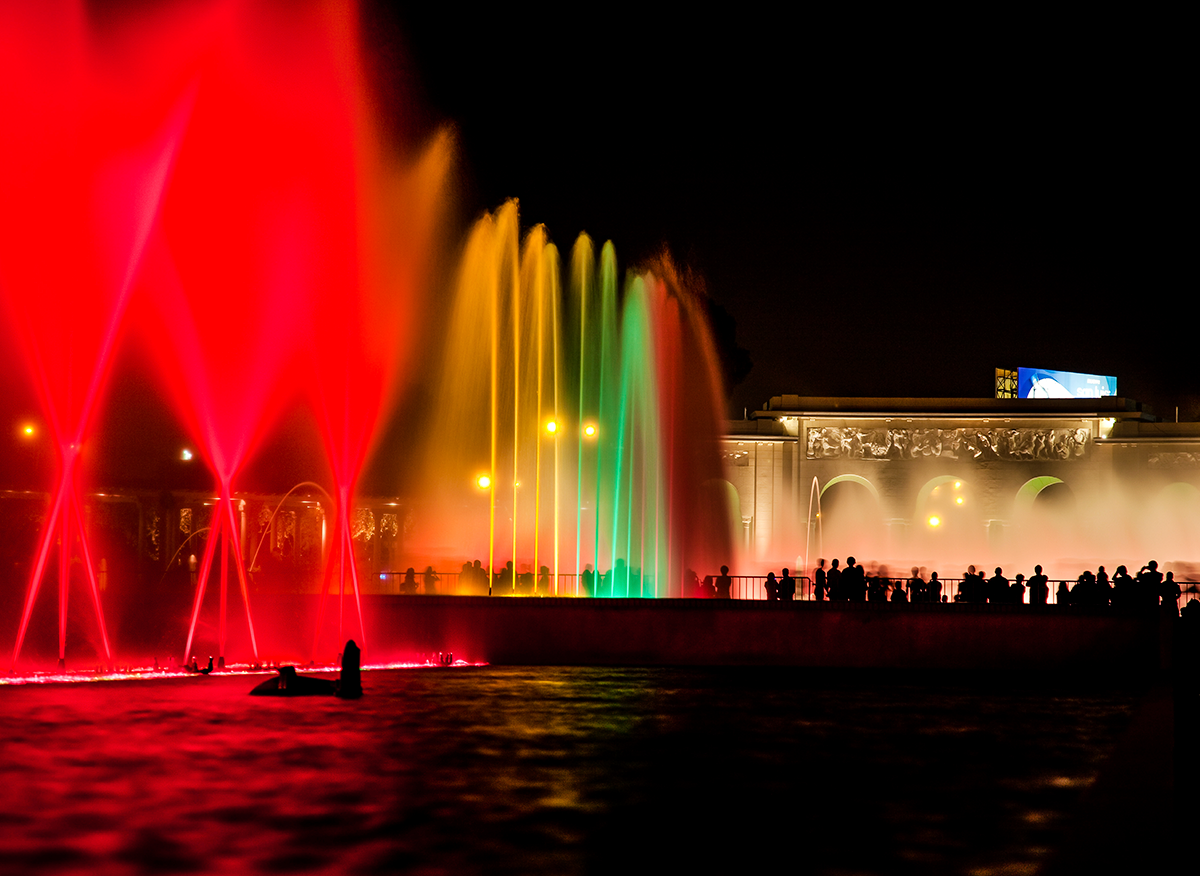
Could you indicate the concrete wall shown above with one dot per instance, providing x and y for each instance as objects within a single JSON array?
[{"x": 703, "y": 632}]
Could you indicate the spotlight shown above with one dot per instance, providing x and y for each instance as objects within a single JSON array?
[
  {"x": 552, "y": 427},
  {"x": 186, "y": 455},
  {"x": 483, "y": 482},
  {"x": 935, "y": 521},
  {"x": 589, "y": 430}
]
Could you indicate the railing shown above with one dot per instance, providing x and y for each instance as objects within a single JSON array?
[{"x": 744, "y": 587}]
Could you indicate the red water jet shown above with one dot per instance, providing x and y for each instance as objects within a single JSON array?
[{"x": 87, "y": 149}]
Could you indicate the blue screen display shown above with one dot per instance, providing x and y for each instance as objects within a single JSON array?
[{"x": 1044, "y": 383}]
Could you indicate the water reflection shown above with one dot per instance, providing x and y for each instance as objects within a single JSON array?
[{"x": 562, "y": 770}]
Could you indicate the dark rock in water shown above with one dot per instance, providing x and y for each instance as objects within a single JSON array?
[{"x": 289, "y": 684}]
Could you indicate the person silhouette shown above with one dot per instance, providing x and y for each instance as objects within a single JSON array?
[
  {"x": 1039, "y": 587},
  {"x": 724, "y": 584},
  {"x": 787, "y": 587},
  {"x": 772, "y": 588},
  {"x": 834, "y": 582}
]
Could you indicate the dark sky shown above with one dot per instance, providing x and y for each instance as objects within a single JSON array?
[{"x": 886, "y": 206}]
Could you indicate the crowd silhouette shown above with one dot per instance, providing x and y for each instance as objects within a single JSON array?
[
  {"x": 852, "y": 583},
  {"x": 832, "y": 582}
]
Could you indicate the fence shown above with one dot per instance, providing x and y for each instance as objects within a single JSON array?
[{"x": 744, "y": 587}]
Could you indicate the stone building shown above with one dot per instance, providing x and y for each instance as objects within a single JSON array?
[{"x": 950, "y": 481}]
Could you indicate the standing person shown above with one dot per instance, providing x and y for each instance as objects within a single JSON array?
[
  {"x": 430, "y": 579},
  {"x": 724, "y": 584},
  {"x": 772, "y": 587},
  {"x": 1063, "y": 594},
  {"x": 934, "y": 588},
  {"x": 1039, "y": 587},
  {"x": 1149, "y": 581},
  {"x": 1102, "y": 586},
  {"x": 916, "y": 587},
  {"x": 787, "y": 587},
  {"x": 854, "y": 582},
  {"x": 835, "y": 582},
  {"x": 997, "y": 588},
  {"x": 1122, "y": 588},
  {"x": 1017, "y": 593},
  {"x": 819, "y": 582},
  {"x": 1169, "y": 592}
]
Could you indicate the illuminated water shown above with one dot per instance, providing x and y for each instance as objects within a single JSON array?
[
  {"x": 591, "y": 405},
  {"x": 547, "y": 770}
]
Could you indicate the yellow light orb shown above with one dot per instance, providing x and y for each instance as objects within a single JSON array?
[
  {"x": 934, "y": 521},
  {"x": 28, "y": 431},
  {"x": 483, "y": 482},
  {"x": 958, "y": 501},
  {"x": 957, "y": 484},
  {"x": 589, "y": 430},
  {"x": 552, "y": 427}
]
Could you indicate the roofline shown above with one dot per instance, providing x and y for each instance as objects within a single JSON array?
[{"x": 828, "y": 406}]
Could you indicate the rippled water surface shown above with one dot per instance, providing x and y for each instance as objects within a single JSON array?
[{"x": 547, "y": 770}]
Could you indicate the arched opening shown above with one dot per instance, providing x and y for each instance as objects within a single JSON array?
[
  {"x": 852, "y": 518},
  {"x": 1045, "y": 512},
  {"x": 946, "y": 521}
]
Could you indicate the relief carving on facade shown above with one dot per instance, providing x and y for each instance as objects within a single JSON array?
[{"x": 853, "y": 442}]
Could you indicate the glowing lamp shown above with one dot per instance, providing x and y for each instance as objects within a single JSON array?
[
  {"x": 28, "y": 431},
  {"x": 483, "y": 482},
  {"x": 958, "y": 501},
  {"x": 589, "y": 430},
  {"x": 552, "y": 427},
  {"x": 934, "y": 521},
  {"x": 185, "y": 455}
]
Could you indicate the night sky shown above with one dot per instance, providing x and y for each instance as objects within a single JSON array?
[
  {"x": 885, "y": 205},
  {"x": 879, "y": 206}
]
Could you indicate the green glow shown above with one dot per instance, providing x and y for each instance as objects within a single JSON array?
[{"x": 590, "y": 358}]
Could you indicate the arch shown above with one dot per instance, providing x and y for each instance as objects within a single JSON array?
[
  {"x": 851, "y": 479},
  {"x": 1029, "y": 491},
  {"x": 1180, "y": 491},
  {"x": 851, "y": 521},
  {"x": 927, "y": 490}
]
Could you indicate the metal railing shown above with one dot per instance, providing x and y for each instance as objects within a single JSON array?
[{"x": 743, "y": 587}]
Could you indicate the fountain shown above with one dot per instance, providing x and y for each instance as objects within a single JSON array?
[
  {"x": 584, "y": 419},
  {"x": 77, "y": 217},
  {"x": 239, "y": 215}
]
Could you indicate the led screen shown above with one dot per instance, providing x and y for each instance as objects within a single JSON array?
[{"x": 1044, "y": 383}]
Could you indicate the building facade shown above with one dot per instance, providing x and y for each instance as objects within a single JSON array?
[{"x": 963, "y": 481}]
